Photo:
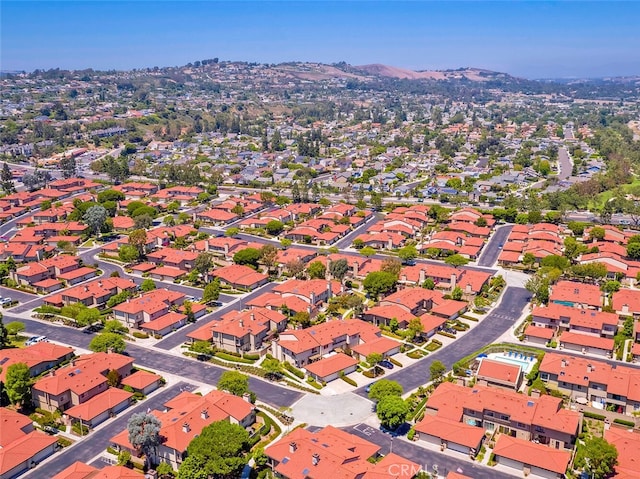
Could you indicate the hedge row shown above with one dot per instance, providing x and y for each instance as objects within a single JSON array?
[{"x": 293, "y": 370}]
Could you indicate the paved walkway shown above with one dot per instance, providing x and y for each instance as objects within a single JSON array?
[{"x": 341, "y": 410}]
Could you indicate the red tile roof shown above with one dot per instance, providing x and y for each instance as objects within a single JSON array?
[
  {"x": 331, "y": 365},
  {"x": 451, "y": 431},
  {"x": 533, "y": 454}
]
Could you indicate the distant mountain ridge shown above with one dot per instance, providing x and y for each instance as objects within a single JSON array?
[{"x": 472, "y": 74}]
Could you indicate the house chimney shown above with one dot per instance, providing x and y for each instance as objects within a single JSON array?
[
  {"x": 563, "y": 363},
  {"x": 86, "y": 288},
  {"x": 328, "y": 270},
  {"x": 423, "y": 277},
  {"x": 100, "y": 283},
  {"x": 204, "y": 414},
  {"x": 247, "y": 397},
  {"x": 356, "y": 266},
  {"x": 315, "y": 459},
  {"x": 252, "y": 316},
  {"x": 292, "y": 447},
  {"x": 241, "y": 323},
  {"x": 329, "y": 292},
  {"x": 453, "y": 281},
  {"x": 403, "y": 278},
  {"x": 53, "y": 372},
  {"x": 590, "y": 368},
  {"x": 185, "y": 427},
  {"x": 312, "y": 298},
  {"x": 535, "y": 393},
  {"x": 625, "y": 308}
]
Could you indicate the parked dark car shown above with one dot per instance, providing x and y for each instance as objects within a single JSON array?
[{"x": 386, "y": 364}]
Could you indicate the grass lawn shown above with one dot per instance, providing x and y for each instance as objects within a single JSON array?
[{"x": 600, "y": 199}]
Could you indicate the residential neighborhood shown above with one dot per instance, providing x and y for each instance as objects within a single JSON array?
[{"x": 308, "y": 271}]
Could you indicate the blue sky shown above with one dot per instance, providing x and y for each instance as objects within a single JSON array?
[{"x": 529, "y": 39}]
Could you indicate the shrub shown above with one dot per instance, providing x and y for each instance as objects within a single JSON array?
[
  {"x": 395, "y": 362},
  {"x": 80, "y": 430},
  {"x": 293, "y": 370},
  {"x": 64, "y": 442},
  {"x": 111, "y": 450},
  {"x": 232, "y": 357},
  {"x": 251, "y": 357},
  {"x": 139, "y": 335},
  {"x": 433, "y": 345},
  {"x": 448, "y": 335},
  {"x": 411, "y": 434},
  {"x": 368, "y": 374},
  {"x": 348, "y": 380},
  {"x": 592, "y": 415},
  {"x": 417, "y": 354},
  {"x": 314, "y": 383},
  {"x": 624, "y": 422}
]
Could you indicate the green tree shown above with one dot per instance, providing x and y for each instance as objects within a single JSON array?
[
  {"x": 295, "y": 268},
  {"x": 234, "y": 382},
  {"x": 391, "y": 265},
  {"x": 339, "y": 268},
  {"x": 274, "y": 227},
  {"x": 429, "y": 283},
  {"x": 88, "y": 316},
  {"x": 374, "y": 359},
  {"x": 577, "y": 227},
  {"x": 302, "y": 318},
  {"x": 437, "y": 370},
  {"x": 285, "y": 242},
  {"x": 598, "y": 457},
  {"x": 392, "y": 411},
  {"x": 573, "y": 249},
  {"x": 165, "y": 471},
  {"x": 138, "y": 239},
  {"x": 211, "y": 291},
  {"x": 95, "y": 218},
  {"x": 539, "y": 287},
  {"x": 247, "y": 257},
  {"x": 272, "y": 367},
  {"x": 633, "y": 250},
  {"x": 6, "y": 179},
  {"x": 317, "y": 270},
  {"x": 113, "y": 378},
  {"x": 383, "y": 388},
  {"x": 456, "y": 260},
  {"x": 115, "y": 326},
  {"x": 367, "y": 251},
  {"x": 128, "y": 253},
  {"x": 4, "y": 334},
  {"x": 414, "y": 328},
  {"x": 17, "y": 384},
  {"x": 555, "y": 261},
  {"x": 408, "y": 253},
  {"x": 379, "y": 282},
  {"x": 144, "y": 433},
  {"x": 611, "y": 286},
  {"x": 203, "y": 263},
  {"x": 528, "y": 260},
  {"x": 12, "y": 329},
  {"x": 219, "y": 451},
  {"x": 269, "y": 256},
  {"x": 108, "y": 341},
  {"x": 143, "y": 221},
  {"x": 148, "y": 285},
  {"x": 597, "y": 232},
  {"x": 457, "y": 293}
]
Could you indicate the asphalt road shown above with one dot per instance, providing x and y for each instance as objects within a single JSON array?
[
  {"x": 97, "y": 441},
  {"x": 426, "y": 458},
  {"x": 348, "y": 239},
  {"x": 492, "y": 250},
  {"x": 503, "y": 317},
  {"x": 564, "y": 163},
  {"x": 188, "y": 369}
]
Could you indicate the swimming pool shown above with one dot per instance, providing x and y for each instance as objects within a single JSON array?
[{"x": 525, "y": 364}]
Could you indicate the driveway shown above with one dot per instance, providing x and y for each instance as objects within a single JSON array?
[
  {"x": 492, "y": 250},
  {"x": 97, "y": 441},
  {"x": 503, "y": 317}
]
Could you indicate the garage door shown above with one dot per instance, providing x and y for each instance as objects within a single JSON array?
[
  {"x": 458, "y": 447},
  {"x": 430, "y": 439}
]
